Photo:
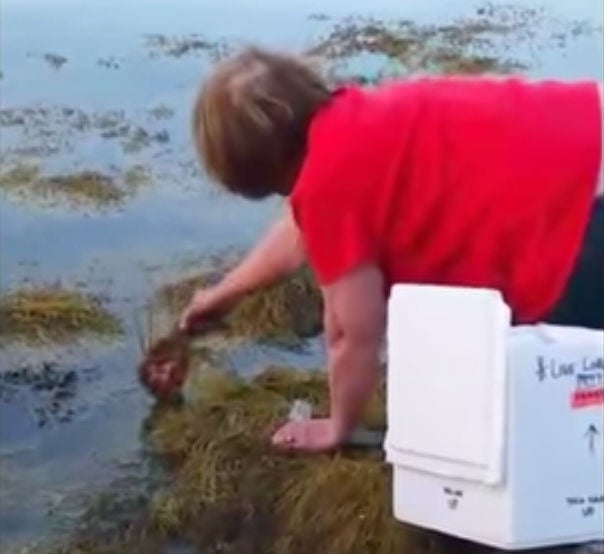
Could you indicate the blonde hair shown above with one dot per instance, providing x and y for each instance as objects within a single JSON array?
[{"x": 251, "y": 119}]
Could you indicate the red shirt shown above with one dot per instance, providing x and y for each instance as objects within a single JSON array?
[{"x": 453, "y": 181}]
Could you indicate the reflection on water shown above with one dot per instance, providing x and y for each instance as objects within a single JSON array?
[{"x": 104, "y": 97}]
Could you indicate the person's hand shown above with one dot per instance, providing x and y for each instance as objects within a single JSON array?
[
  {"x": 206, "y": 305},
  {"x": 313, "y": 435}
]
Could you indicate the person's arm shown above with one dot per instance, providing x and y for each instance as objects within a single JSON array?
[
  {"x": 355, "y": 325},
  {"x": 278, "y": 253}
]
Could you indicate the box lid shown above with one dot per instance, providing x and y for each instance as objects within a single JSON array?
[{"x": 447, "y": 381}]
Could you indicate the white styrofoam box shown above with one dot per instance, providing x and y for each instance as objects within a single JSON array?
[{"x": 494, "y": 431}]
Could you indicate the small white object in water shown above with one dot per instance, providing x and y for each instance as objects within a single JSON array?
[{"x": 300, "y": 410}]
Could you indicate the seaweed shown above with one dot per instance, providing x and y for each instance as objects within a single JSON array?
[
  {"x": 54, "y": 314},
  {"x": 232, "y": 491},
  {"x": 109, "y": 63},
  {"x": 477, "y": 44},
  {"x": 83, "y": 189},
  {"x": 284, "y": 313},
  {"x": 225, "y": 489},
  {"x": 56, "y": 61},
  {"x": 45, "y": 130},
  {"x": 183, "y": 45},
  {"x": 418, "y": 47},
  {"x": 162, "y": 111}
]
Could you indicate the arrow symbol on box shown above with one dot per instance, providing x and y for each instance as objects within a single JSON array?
[{"x": 590, "y": 435}]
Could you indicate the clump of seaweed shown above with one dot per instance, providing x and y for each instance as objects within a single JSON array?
[
  {"x": 178, "y": 46},
  {"x": 18, "y": 176},
  {"x": 477, "y": 44},
  {"x": 139, "y": 139},
  {"x": 85, "y": 186},
  {"x": 415, "y": 47},
  {"x": 135, "y": 177},
  {"x": 108, "y": 63},
  {"x": 45, "y": 130},
  {"x": 162, "y": 111},
  {"x": 56, "y": 61},
  {"x": 11, "y": 118},
  {"x": 318, "y": 17},
  {"x": 84, "y": 189},
  {"x": 232, "y": 492},
  {"x": 284, "y": 313},
  {"x": 54, "y": 314},
  {"x": 165, "y": 364}
]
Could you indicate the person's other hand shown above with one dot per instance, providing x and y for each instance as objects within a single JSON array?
[{"x": 313, "y": 435}]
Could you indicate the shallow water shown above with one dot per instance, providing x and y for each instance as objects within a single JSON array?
[{"x": 170, "y": 224}]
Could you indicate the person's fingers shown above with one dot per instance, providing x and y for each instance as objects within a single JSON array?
[
  {"x": 280, "y": 434},
  {"x": 285, "y": 437}
]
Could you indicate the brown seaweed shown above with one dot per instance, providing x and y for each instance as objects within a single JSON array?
[{"x": 54, "y": 314}]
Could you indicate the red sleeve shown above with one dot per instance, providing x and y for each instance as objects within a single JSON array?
[{"x": 334, "y": 219}]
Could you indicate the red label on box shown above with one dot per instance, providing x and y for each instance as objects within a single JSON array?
[{"x": 587, "y": 397}]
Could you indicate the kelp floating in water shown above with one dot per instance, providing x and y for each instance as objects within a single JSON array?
[
  {"x": 182, "y": 45},
  {"x": 109, "y": 63},
  {"x": 56, "y": 61},
  {"x": 83, "y": 189},
  {"x": 41, "y": 130},
  {"x": 415, "y": 48},
  {"x": 477, "y": 44},
  {"x": 161, "y": 111},
  {"x": 54, "y": 314}
]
